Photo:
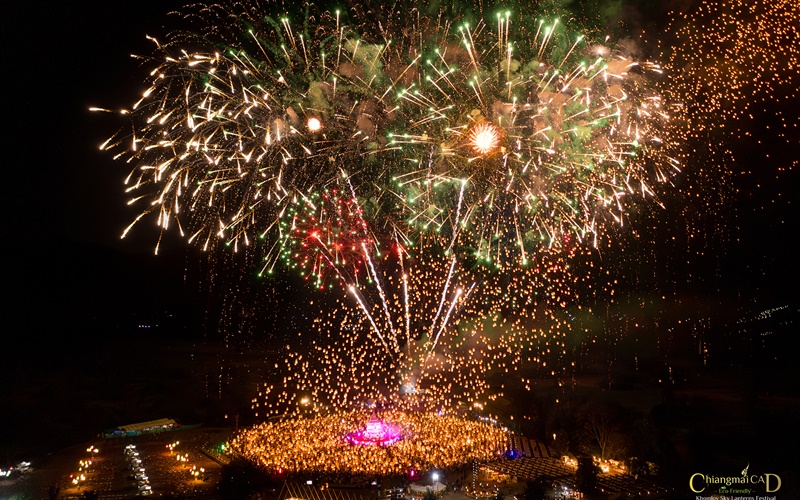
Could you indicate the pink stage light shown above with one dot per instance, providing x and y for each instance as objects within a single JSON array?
[{"x": 376, "y": 433}]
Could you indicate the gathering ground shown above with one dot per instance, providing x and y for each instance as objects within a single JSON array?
[{"x": 185, "y": 464}]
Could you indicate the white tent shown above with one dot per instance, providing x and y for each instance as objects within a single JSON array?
[
  {"x": 152, "y": 424},
  {"x": 422, "y": 488}
]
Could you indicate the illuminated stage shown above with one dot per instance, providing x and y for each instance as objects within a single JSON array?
[{"x": 376, "y": 433}]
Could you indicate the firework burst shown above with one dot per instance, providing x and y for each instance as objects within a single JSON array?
[
  {"x": 503, "y": 142},
  {"x": 225, "y": 139},
  {"x": 514, "y": 143},
  {"x": 326, "y": 236}
]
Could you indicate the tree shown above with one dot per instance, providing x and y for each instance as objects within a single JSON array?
[
  {"x": 640, "y": 467},
  {"x": 241, "y": 478},
  {"x": 598, "y": 427},
  {"x": 536, "y": 489},
  {"x": 586, "y": 475},
  {"x": 601, "y": 430},
  {"x": 52, "y": 491}
]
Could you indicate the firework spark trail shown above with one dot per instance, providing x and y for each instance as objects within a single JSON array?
[
  {"x": 405, "y": 299},
  {"x": 444, "y": 293},
  {"x": 376, "y": 279},
  {"x": 453, "y": 303},
  {"x": 375, "y": 328},
  {"x": 456, "y": 224},
  {"x": 450, "y": 360}
]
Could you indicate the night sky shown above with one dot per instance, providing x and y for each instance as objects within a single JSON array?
[
  {"x": 66, "y": 207},
  {"x": 67, "y": 268},
  {"x": 67, "y": 259}
]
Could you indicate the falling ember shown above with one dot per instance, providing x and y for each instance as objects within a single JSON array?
[{"x": 484, "y": 138}]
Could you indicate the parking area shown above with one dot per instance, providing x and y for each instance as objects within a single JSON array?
[{"x": 158, "y": 465}]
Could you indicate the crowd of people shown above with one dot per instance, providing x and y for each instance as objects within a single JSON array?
[{"x": 319, "y": 445}]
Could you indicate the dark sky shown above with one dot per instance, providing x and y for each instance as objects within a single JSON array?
[
  {"x": 68, "y": 58},
  {"x": 65, "y": 261},
  {"x": 64, "y": 198}
]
